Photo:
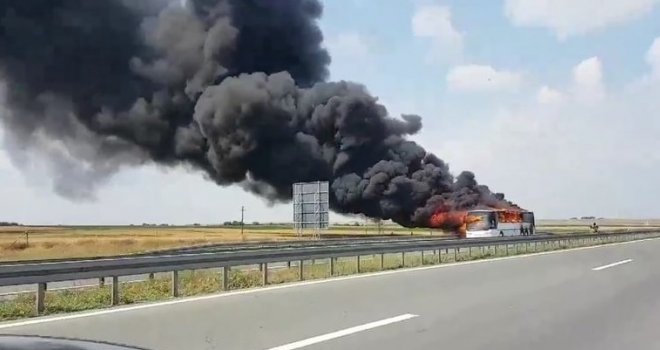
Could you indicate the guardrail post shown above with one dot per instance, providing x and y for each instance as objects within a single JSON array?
[
  {"x": 114, "y": 299},
  {"x": 261, "y": 267},
  {"x": 264, "y": 277},
  {"x": 332, "y": 266},
  {"x": 101, "y": 282},
  {"x": 41, "y": 297},
  {"x": 456, "y": 250},
  {"x": 439, "y": 256},
  {"x": 151, "y": 276},
  {"x": 288, "y": 264},
  {"x": 470, "y": 253},
  {"x": 175, "y": 283},
  {"x": 422, "y": 257},
  {"x": 506, "y": 249},
  {"x": 382, "y": 261},
  {"x": 403, "y": 259},
  {"x": 357, "y": 263},
  {"x": 225, "y": 278},
  {"x": 300, "y": 270}
]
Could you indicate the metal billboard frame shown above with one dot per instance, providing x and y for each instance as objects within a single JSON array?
[{"x": 311, "y": 205}]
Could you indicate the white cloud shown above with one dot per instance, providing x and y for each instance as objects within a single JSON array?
[
  {"x": 547, "y": 95},
  {"x": 575, "y": 17},
  {"x": 474, "y": 78},
  {"x": 573, "y": 159},
  {"x": 588, "y": 80},
  {"x": 434, "y": 22},
  {"x": 653, "y": 57},
  {"x": 348, "y": 46}
]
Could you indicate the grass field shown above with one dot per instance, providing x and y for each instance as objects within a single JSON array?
[{"x": 32, "y": 243}]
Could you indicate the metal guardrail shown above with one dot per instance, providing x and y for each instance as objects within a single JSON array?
[
  {"x": 46, "y": 272},
  {"x": 249, "y": 246}
]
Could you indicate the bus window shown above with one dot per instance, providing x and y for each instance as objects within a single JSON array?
[
  {"x": 480, "y": 221},
  {"x": 492, "y": 220}
]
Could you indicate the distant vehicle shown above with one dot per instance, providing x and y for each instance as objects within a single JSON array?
[{"x": 499, "y": 223}]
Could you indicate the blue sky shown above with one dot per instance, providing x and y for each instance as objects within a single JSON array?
[
  {"x": 553, "y": 102},
  {"x": 397, "y": 64}
]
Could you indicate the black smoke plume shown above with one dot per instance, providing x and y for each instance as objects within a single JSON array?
[{"x": 234, "y": 88}]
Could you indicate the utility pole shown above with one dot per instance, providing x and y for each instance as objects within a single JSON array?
[{"x": 242, "y": 224}]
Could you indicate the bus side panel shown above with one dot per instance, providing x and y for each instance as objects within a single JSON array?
[
  {"x": 509, "y": 228},
  {"x": 482, "y": 233}
]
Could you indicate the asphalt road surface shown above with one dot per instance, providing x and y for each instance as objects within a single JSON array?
[{"x": 599, "y": 298}]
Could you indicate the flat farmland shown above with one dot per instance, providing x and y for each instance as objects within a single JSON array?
[
  {"x": 32, "y": 243},
  {"x": 604, "y": 225}
]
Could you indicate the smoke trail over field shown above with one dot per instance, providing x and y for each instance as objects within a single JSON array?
[{"x": 234, "y": 88}]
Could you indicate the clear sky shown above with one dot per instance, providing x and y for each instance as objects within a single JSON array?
[{"x": 555, "y": 103}]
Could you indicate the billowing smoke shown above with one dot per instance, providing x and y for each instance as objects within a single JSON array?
[{"x": 233, "y": 88}]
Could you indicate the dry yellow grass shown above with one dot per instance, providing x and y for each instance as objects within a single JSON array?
[
  {"x": 56, "y": 242},
  {"x": 72, "y": 242}
]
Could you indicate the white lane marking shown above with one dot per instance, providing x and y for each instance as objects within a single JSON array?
[
  {"x": 343, "y": 332},
  {"x": 612, "y": 265},
  {"x": 118, "y": 309}
]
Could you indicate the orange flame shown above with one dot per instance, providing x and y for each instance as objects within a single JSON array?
[
  {"x": 453, "y": 220},
  {"x": 459, "y": 220},
  {"x": 509, "y": 216}
]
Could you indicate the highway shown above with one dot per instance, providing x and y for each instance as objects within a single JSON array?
[
  {"x": 12, "y": 290},
  {"x": 597, "y": 298}
]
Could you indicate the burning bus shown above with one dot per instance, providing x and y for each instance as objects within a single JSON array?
[
  {"x": 489, "y": 222},
  {"x": 499, "y": 222}
]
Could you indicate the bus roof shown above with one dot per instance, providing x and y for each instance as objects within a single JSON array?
[{"x": 497, "y": 210}]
